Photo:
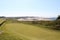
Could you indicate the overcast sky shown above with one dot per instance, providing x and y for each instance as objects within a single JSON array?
[{"x": 42, "y": 8}]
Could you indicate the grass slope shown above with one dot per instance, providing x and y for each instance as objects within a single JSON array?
[
  {"x": 29, "y": 32},
  {"x": 6, "y": 36}
]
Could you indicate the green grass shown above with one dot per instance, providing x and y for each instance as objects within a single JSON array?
[
  {"x": 19, "y": 31},
  {"x": 6, "y": 36},
  {"x": 30, "y": 32}
]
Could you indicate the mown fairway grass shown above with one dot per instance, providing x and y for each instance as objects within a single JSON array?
[{"x": 30, "y": 32}]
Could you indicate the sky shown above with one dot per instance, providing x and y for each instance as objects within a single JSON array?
[{"x": 41, "y": 8}]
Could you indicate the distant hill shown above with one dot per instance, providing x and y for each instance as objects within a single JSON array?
[
  {"x": 52, "y": 18},
  {"x": 31, "y": 18}
]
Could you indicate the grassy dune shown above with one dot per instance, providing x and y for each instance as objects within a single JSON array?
[
  {"x": 5, "y": 35},
  {"x": 2, "y": 19},
  {"x": 30, "y": 32}
]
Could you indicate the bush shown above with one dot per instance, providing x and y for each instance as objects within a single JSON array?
[{"x": 57, "y": 23}]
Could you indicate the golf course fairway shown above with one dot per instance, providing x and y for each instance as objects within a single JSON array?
[{"x": 30, "y": 32}]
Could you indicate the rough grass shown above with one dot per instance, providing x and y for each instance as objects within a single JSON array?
[
  {"x": 1, "y": 20},
  {"x": 30, "y": 32},
  {"x": 18, "y": 31},
  {"x": 6, "y": 36}
]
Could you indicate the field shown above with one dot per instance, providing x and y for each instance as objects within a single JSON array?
[
  {"x": 13, "y": 30},
  {"x": 19, "y": 31}
]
